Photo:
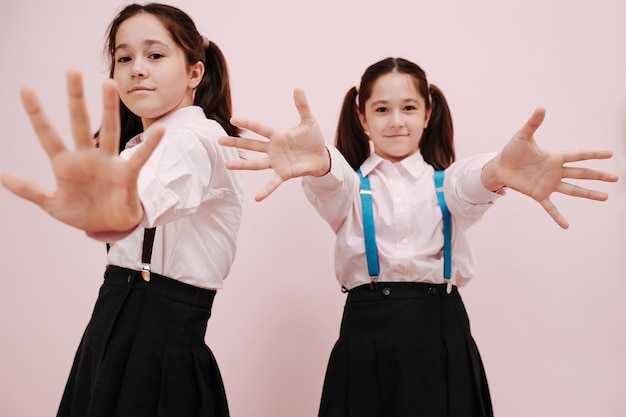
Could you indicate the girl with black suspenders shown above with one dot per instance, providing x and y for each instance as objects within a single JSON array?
[
  {"x": 168, "y": 207},
  {"x": 405, "y": 347}
]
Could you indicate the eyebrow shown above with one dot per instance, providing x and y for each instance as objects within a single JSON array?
[
  {"x": 384, "y": 102},
  {"x": 147, "y": 42}
]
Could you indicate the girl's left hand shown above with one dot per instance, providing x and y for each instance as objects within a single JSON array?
[{"x": 524, "y": 167}]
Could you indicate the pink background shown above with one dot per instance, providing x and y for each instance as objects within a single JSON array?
[{"x": 546, "y": 304}]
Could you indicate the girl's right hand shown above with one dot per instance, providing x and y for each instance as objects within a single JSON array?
[
  {"x": 96, "y": 189},
  {"x": 291, "y": 153}
]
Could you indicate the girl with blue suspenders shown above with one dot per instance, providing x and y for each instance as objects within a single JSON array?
[{"x": 405, "y": 347}]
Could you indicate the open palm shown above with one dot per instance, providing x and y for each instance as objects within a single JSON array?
[
  {"x": 96, "y": 189},
  {"x": 523, "y": 166},
  {"x": 291, "y": 153}
]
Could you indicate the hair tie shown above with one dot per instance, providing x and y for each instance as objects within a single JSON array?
[{"x": 205, "y": 42}]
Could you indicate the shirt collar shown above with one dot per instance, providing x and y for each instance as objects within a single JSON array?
[
  {"x": 414, "y": 164},
  {"x": 173, "y": 120}
]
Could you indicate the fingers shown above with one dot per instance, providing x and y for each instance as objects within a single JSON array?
[
  {"x": 79, "y": 117},
  {"x": 110, "y": 129},
  {"x": 139, "y": 158},
  {"x": 532, "y": 124},
  {"x": 577, "y": 156},
  {"x": 248, "y": 165},
  {"x": 243, "y": 143},
  {"x": 253, "y": 126},
  {"x": 302, "y": 105},
  {"x": 554, "y": 213},
  {"x": 47, "y": 135},
  {"x": 576, "y": 191},
  {"x": 24, "y": 188},
  {"x": 269, "y": 188},
  {"x": 589, "y": 174}
]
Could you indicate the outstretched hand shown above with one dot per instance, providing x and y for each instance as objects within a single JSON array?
[
  {"x": 96, "y": 189},
  {"x": 524, "y": 167},
  {"x": 290, "y": 153}
]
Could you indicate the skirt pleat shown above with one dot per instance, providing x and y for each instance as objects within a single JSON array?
[
  {"x": 404, "y": 350},
  {"x": 143, "y": 353}
]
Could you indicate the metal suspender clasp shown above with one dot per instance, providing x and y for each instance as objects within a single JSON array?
[
  {"x": 145, "y": 272},
  {"x": 374, "y": 283}
]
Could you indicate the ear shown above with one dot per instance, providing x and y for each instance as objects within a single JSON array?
[
  {"x": 428, "y": 113},
  {"x": 196, "y": 71},
  {"x": 363, "y": 122}
]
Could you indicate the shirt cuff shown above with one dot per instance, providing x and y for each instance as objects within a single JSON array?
[
  {"x": 334, "y": 176},
  {"x": 475, "y": 191}
]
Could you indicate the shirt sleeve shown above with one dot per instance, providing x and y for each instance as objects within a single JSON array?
[
  {"x": 333, "y": 193},
  {"x": 177, "y": 178},
  {"x": 465, "y": 195}
]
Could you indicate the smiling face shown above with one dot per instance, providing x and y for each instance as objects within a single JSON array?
[
  {"x": 395, "y": 116},
  {"x": 150, "y": 69}
]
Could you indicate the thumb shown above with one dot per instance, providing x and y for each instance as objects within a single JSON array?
[
  {"x": 302, "y": 105},
  {"x": 532, "y": 124}
]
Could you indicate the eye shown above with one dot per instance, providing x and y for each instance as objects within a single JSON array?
[
  {"x": 410, "y": 108},
  {"x": 122, "y": 59},
  {"x": 381, "y": 109},
  {"x": 155, "y": 55}
]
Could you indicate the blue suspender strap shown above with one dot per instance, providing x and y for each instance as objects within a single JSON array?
[
  {"x": 371, "y": 251},
  {"x": 447, "y": 232}
]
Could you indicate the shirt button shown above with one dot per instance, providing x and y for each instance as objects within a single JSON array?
[
  {"x": 405, "y": 241},
  {"x": 386, "y": 291}
]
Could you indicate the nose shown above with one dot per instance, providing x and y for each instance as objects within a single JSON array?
[
  {"x": 396, "y": 119},
  {"x": 138, "y": 69}
]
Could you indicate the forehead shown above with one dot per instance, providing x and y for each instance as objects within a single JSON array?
[
  {"x": 140, "y": 27},
  {"x": 395, "y": 86}
]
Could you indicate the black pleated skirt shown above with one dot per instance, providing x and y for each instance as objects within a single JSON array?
[
  {"x": 143, "y": 353},
  {"x": 405, "y": 350}
]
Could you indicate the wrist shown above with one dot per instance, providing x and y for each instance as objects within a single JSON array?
[
  {"x": 489, "y": 175},
  {"x": 326, "y": 164}
]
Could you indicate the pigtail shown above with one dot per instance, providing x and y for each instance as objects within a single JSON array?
[
  {"x": 350, "y": 138},
  {"x": 437, "y": 143},
  {"x": 213, "y": 92}
]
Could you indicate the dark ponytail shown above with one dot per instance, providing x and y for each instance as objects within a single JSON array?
[
  {"x": 437, "y": 143},
  {"x": 213, "y": 92},
  {"x": 350, "y": 139}
]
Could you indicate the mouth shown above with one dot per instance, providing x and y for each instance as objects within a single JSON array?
[
  {"x": 397, "y": 136},
  {"x": 140, "y": 88}
]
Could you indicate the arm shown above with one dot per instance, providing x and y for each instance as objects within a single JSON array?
[
  {"x": 291, "y": 153},
  {"x": 96, "y": 189},
  {"x": 524, "y": 167}
]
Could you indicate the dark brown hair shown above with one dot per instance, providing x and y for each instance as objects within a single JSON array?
[
  {"x": 213, "y": 92},
  {"x": 437, "y": 142}
]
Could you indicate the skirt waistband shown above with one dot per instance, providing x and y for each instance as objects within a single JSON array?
[
  {"x": 400, "y": 290},
  {"x": 160, "y": 284}
]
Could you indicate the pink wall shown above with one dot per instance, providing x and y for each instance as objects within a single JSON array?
[{"x": 546, "y": 304}]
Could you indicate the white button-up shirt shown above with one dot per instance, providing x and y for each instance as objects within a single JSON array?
[
  {"x": 192, "y": 199},
  {"x": 408, "y": 219}
]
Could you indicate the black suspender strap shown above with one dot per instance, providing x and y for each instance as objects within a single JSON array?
[{"x": 146, "y": 254}]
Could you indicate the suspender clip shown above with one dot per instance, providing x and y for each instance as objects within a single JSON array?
[
  {"x": 374, "y": 283},
  {"x": 145, "y": 272}
]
